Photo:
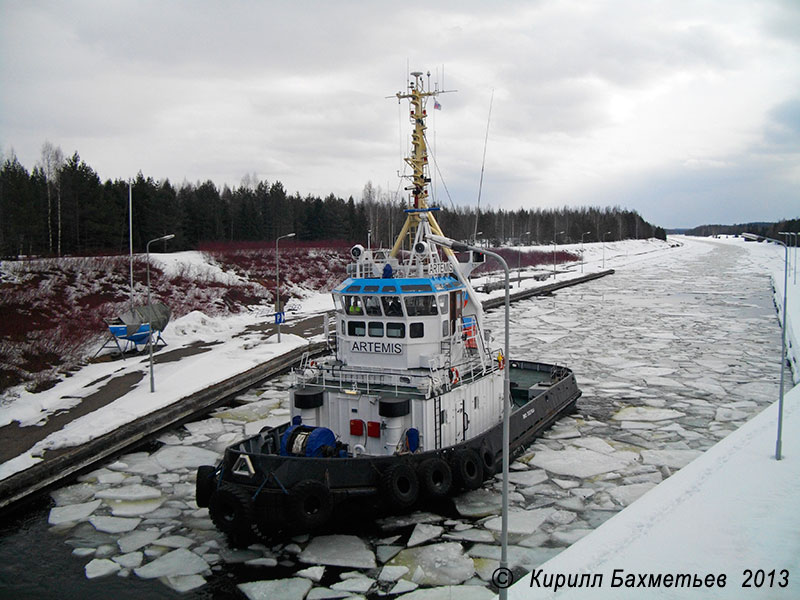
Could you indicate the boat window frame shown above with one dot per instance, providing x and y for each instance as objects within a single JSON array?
[
  {"x": 416, "y": 330},
  {"x": 391, "y": 304},
  {"x": 399, "y": 326},
  {"x": 352, "y": 304},
  {"x": 374, "y": 324},
  {"x": 372, "y": 306},
  {"x": 353, "y": 332},
  {"x": 421, "y": 305}
]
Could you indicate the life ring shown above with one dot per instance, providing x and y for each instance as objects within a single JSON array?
[
  {"x": 467, "y": 468},
  {"x": 309, "y": 505},
  {"x": 454, "y": 376},
  {"x": 400, "y": 486},
  {"x": 204, "y": 485},
  {"x": 231, "y": 510},
  {"x": 435, "y": 477}
]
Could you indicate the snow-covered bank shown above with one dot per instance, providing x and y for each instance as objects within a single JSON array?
[{"x": 732, "y": 512}]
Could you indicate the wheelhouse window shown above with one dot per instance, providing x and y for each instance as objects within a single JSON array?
[
  {"x": 375, "y": 329},
  {"x": 372, "y": 305},
  {"x": 396, "y": 330},
  {"x": 356, "y": 328},
  {"x": 420, "y": 306},
  {"x": 391, "y": 306},
  {"x": 416, "y": 330},
  {"x": 352, "y": 305},
  {"x": 443, "y": 304}
]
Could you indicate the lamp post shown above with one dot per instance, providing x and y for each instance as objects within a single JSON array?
[
  {"x": 604, "y": 249},
  {"x": 519, "y": 261},
  {"x": 278, "y": 284},
  {"x": 459, "y": 247},
  {"x": 163, "y": 238},
  {"x": 583, "y": 234},
  {"x": 555, "y": 237},
  {"x": 752, "y": 236}
]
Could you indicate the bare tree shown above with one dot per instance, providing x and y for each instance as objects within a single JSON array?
[{"x": 51, "y": 163}]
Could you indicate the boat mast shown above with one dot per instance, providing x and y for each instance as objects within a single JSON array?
[{"x": 418, "y": 161}]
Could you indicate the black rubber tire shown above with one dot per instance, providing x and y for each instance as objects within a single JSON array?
[
  {"x": 270, "y": 513},
  {"x": 435, "y": 477},
  {"x": 309, "y": 505},
  {"x": 467, "y": 468},
  {"x": 489, "y": 462},
  {"x": 232, "y": 512},
  {"x": 400, "y": 486},
  {"x": 204, "y": 486}
]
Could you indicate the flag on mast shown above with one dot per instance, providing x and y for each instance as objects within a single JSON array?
[{"x": 436, "y": 105}]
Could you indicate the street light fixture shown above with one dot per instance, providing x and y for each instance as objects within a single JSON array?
[
  {"x": 519, "y": 260},
  {"x": 163, "y": 238},
  {"x": 555, "y": 237},
  {"x": 752, "y": 236},
  {"x": 459, "y": 247},
  {"x": 583, "y": 234},
  {"x": 604, "y": 248},
  {"x": 278, "y": 284}
]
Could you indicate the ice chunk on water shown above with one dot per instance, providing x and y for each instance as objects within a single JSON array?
[
  {"x": 136, "y": 540},
  {"x": 478, "y": 503},
  {"x": 130, "y": 492},
  {"x": 521, "y": 522},
  {"x": 73, "y": 494},
  {"x": 184, "y": 583},
  {"x": 594, "y": 443},
  {"x": 646, "y": 413},
  {"x": 175, "y": 541},
  {"x": 670, "y": 458},
  {"x": 114, "y": 524},
  {"x": 321, "y": 593},
  {"x": 339, "y": 551},
  {"x": 312, "y": 573},
  {"x": 137, "y": 462},
  {"x": 724, "y": 415},
  {"x": 295, "y": 588},
  {"x": 438, "y": 564},
  {"x": 100, "y": 567},
  {"x": 471, "y": 535},
  {"x": 423, "y": 533},
  {"x": 359, "y": 585},
  {"x": 392, "y": 573},
  {"x": 403, "y": 586},
  {"x": 177, "y": 562},
  {"x": 526, "y": 478},
  {"x": 579, "y": 462},
  {"x": 72, "y": 512},
  {"x": 385, "y": 553},
  {"x": 190, "y": 457},
  {"x": 462, "y": 592},
  {"x": 398, "y": 521},
  {"x": 625, "y": 494},
  {"x": 130, "y": 560},
  {"x": 207, "y": 426}
]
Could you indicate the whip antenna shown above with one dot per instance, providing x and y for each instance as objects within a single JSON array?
[{"x": 483, "y": 164}]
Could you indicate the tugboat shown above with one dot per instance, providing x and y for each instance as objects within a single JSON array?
[{"x": 409, "y": 406}]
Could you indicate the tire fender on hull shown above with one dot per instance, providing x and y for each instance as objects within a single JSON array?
[
  {"x": 436, "y": 478},
  {"x": 309, "y": 505},
  {"x": 467, "y": 467},
  {"x": 400, "y": 486},
  {"x": 204, "y": 485},
  {"x": 231, "y": 510}
]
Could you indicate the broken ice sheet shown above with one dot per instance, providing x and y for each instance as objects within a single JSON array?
[
  {"x": 424, "y": 532},
  {"x": 295, "y": 588},
  {"x": 521, "y": 522},
  {"x": 646, "y": 413},
  {"x": 580, "y": 462},
  {"x": 114, "y": 524},
  {"x": 338, "y": 550},
  {"x": 175, "y": 457},
  {"x": 438, "y": 564},
  {"x": 72, "y": 512},
  {"x": 177, "y": 562},
  {"x": 478, "y": 503}
]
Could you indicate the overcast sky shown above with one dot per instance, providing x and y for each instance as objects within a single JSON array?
[{"x": 685, "y": 111}]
